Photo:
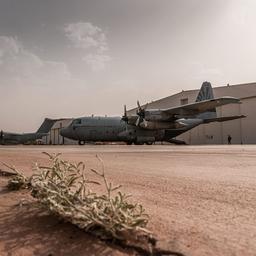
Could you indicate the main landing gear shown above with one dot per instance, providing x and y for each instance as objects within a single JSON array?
[
  {"x": 81, "y": 142},
  {"x": 139, "y": 143}
]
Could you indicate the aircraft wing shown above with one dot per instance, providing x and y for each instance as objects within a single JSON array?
[
  {"x": 200, "y": 107},
  {"x": 223, "y": 119}
]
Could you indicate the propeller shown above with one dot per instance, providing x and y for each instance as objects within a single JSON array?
[
  {"x": 141, "y": 113},
  {"x": 139, "y": 120},
  {"x": 125, "y": 117}
]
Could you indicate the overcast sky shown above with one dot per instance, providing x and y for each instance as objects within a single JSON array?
[{"x": 62, "y": 58}]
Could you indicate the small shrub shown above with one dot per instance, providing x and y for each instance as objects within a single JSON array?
[
  {"x": 18, "y": 180},
  {"x": 64, "y": 188}
]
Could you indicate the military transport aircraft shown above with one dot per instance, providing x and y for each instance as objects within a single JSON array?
[
  {"x": 15, "y": 138},
  {"x": 150, "y": 125}
]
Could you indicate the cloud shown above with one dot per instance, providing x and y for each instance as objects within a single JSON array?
[
  {"x": 92, "y": 40},
  {"x": 18, "y": 65},
  {"x": 97, "y": 61},
  {"x": 85, "y": 35}
]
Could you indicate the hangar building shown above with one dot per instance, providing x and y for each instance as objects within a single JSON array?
[
  {"x": 54, "y": 137},
  {"x": 242, "y": 131}
]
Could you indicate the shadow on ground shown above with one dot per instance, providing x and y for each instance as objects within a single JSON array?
[{"x": 28, "y": 230}]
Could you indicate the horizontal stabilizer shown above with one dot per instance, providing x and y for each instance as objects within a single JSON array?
[
  {"x": 177, "y": 142},
  {"x": 222, "y": 119}
]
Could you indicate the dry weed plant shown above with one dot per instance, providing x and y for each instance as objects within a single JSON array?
[
  {"x": 65, "y": 189},
  {"x": 18, "y": 181}
]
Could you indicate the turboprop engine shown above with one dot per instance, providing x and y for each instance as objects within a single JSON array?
[
  {"x": 157, "y": 119},
  {"x": 154, "y": 125}
]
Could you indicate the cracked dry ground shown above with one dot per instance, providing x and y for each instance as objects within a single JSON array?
[{"x": 201, "y": 200}]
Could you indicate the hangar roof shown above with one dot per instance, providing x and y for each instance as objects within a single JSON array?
[
  {"x": 238, "y": 90},
  {"x": 63, "y": 123}
]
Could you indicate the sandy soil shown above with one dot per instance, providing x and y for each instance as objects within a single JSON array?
[{"x": 201, "y": 199}]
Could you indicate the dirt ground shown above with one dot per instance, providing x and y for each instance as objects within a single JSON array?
[{"x": 201, "y": 199}]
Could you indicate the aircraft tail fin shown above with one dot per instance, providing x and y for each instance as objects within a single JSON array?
[
  {"x": 46, "y": 125},
  {"x": 205, "y": 93}
]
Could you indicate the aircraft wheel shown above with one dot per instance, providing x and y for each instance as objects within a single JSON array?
[
  {"x": 81, "y": 142},
  {"x": 129, "y": 143},
  {"x": 149, "y": 143}
]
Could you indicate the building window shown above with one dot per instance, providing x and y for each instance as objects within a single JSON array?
[{"x": 184, "y": 101}]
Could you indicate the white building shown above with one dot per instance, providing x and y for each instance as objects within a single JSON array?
[
  {"x": 54, "y": 137},
  {"x": 241, "y": 130}
]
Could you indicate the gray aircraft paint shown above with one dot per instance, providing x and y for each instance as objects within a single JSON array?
[
  {"x": 108, "y": 129},
  {"x": 150, "y": 125},
  {"x": 111, "y": 129}
]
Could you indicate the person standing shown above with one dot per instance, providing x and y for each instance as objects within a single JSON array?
[{"x": 229, "y": 139}]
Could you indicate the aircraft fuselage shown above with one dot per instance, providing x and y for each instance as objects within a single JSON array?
[{"x": 111, "y": 129}]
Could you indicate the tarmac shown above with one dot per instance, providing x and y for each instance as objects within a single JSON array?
[{"x": 201, "y": 199}]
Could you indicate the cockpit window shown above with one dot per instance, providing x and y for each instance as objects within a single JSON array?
[{"x": 77, "y": 121}]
